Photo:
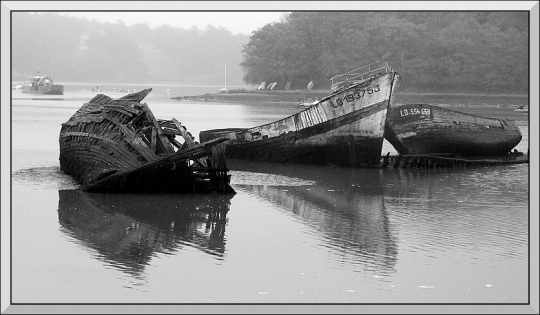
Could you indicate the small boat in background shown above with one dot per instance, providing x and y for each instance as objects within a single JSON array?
[
  {"x": 224, "y": 90},
  {"x": 42, "y": 84},
  {"x": 521, "y": 109},
  {"x": 308, "y": 102},
  {"x": 345, "y": 128},
  {"x": 118, "y": 146},
  {"x": 429, "y": 129}
]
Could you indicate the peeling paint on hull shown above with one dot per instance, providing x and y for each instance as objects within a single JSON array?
[
  {"x": 344, "y": 129},
  {"x": 429, "y": 129}
]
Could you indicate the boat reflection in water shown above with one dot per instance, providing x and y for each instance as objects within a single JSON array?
[
  {"x": 127, "y": 230},
  {"x": 344, "y": 206}
]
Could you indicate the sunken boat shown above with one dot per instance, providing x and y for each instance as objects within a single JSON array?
[
  {"x": 118, "y": 146},
  {"x": 345, "y": 128},
  {"x": 430, "y": 129},
  {"x": 42, "y": 84}
]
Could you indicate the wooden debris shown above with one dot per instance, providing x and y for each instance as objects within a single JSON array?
[{"x": 117, "y": 145}]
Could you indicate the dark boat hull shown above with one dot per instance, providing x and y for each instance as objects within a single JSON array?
[
  {"x": 44, "y": 89},
  {"x": 429, "y": 129},
  {"x": 343, "y": 129},
  {"x": 117, "y": 146}
]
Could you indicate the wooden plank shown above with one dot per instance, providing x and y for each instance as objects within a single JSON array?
[
  {"x": 113, "y": 154},
  {"x": 165, "y": 144},
  {"x": 182, "y": 130},
  {"x": 172, "y": 132},
  {"x": 153, "y": 140},
  {"x": 122, "y": 152},
  {"x": 189, "y": 140},
  {"x": 135, "y": 141},
  {"x": 176, "y": 143}
]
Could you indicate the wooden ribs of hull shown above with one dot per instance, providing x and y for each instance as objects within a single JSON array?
[{"x": 118, "y": 146}]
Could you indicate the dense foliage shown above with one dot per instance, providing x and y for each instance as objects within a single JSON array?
[{"x": 432, "y": 51}]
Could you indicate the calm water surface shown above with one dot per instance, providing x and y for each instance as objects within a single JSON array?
[{"x": 291, "y": 234}]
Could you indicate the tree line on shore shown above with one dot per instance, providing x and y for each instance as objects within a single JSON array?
[
  {"x": 458, "y": 52},
  {"x": 80, "y": 50},
  {"x": 432, "y": 51}
]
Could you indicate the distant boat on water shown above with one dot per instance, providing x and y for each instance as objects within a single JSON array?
[
  {"x": 42, "y": 84},
  {"x": 522, "y": 109},
  {"x": 308, "y": 102},
  {"x": 429, "y": 129},
  {"x": 224, "y": 90}
]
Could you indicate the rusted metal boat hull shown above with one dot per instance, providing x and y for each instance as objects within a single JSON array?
[
  {"x": 343, "y": 129},
  {"x": 117, "y": 146},
  {"x": 429, "y": 129}
]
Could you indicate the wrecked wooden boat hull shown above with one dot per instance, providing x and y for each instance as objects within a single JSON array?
[
  {"x": 345, "y": 128},
  {"x": 429, "y": 129},
  {"x": 118, "y": 146}
]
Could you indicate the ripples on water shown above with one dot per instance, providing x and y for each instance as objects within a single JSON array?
[{"x": 484, "y": 204}]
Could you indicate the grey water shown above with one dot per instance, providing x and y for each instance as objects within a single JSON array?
[{"x": 291, "y": 234}]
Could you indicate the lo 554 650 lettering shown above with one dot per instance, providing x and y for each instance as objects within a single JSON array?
[{"x": 414, "y": 111}]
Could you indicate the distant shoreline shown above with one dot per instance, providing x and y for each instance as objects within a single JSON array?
[{"x": 298, "y": 96}]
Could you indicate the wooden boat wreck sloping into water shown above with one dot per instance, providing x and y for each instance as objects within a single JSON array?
[
  {"x": 345, "y": 128},
  {"x": 118, "y": 146},
  {"x": 429, "y": 129}
]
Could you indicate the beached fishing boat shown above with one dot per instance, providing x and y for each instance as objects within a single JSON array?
[
  {"x": 429, "y": 129},
  {"x": 345, "y": 128},
  {"x": 42, "y": 84},
  {"x": 118, "y": 146}
]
